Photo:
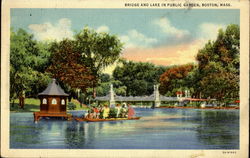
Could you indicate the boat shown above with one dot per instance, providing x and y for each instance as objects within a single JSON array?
[
  {"x": 103, "y": 120},
  {"x": 80, "y": 119}
]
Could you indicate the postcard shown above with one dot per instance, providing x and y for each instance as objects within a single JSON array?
[{"x": 162, "y": 78}]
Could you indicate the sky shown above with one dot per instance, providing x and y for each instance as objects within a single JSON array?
[{"x": 159, "y": 36}]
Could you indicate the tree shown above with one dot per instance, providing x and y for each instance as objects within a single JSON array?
[
  {"x": 138, "y": 78},
  {"x": 26, "y": 64},
  {"x": 105, "y": 77},
  {"x": 98, "y": 50},
  {"x": 174, "y": 79},
  {"x": 218, "y": 65},
  {"x": 104, "y": 86},
  {"x": 66, "y": 66},
  {"x": 192, "y": 82},
  {"x": 42, "y": 78}
]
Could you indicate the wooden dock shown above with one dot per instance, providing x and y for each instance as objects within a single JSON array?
[{"x": 39, "y": 115}]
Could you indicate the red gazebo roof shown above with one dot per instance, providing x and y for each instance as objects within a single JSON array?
[{"x": 179, "y": 92}]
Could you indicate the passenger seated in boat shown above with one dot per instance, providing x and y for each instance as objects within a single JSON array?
[
  {"x": 124, "y": 111},
  {"x": 91, "y": 113},
  {"x": 118, "y": 110},
  {"x": 95, "y": 113},
  {"x": 86, "y": 115},
  {"x": 131, "y": 111},
  {"x": 106, "y": 111},
  {"x": 101, "y": 111}
]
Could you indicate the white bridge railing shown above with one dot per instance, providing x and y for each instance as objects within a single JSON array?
[{"x": 155, "y": 97}]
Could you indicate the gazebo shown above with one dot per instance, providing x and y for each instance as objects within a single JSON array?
[{"x": 53, "y": 102}]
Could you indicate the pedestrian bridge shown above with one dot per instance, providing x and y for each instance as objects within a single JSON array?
[
  {"x": 137, "y": 98},
  {"x": 155, "y": 97}
]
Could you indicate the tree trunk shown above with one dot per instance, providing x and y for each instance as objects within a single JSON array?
[
  {"x": 21, "y": 99},
  {"x": 13, "y": 102},
  {"x": 94, "y": 92},
  {"x": 21, "y": 102},
  {"x": 70, "y": 97}
]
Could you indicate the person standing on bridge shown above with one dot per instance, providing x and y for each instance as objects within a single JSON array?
[{"x": 131, "y": 111}]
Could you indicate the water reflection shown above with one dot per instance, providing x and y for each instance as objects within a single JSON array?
[
  {"x": 157, "y": 129},
  {"x": 75, "y": 136},
  {"x": 23, "y": 132},
  {"x": 214, "y": 129}
]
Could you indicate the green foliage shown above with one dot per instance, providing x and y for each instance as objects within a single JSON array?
[
  {"x": 28, "y": 60},
  {"x": 175, "y": 79},
  {"x": 81, "y": 98},
  {"x": 31, "y": 105},
  {"x": 105, "y": 77},
  {"x": 219, "y": 65},
  {"x": 71, "y": 106},
  {"x": 137, "y": 78},
  {"x": 121, "y": 90},
  {"x": 112, "y": 113},
  {"x": 104, "y": 85},
  {"x": 40, "y": 82},
  {"x": 98, "y": 50},
  {"x": 217, "y": 73},
  {"x": 78, "y": 62},
  {"x": 75, "y": 63},
  {"x": 103, "y": 89}
]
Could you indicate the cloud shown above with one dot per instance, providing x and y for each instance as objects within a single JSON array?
[
  {"x": 176, "y": 54},
  {"x": 169, "y": 29},
  {"x": 165, "y": 55},
  {"x": 209, "y": 31},
  {"x": 134, "y": 39},
  {"x": 102, "y": 28},
  {"x": 48, "y": 31}
]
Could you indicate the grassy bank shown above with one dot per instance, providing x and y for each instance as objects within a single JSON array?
[{"x": 32, "y": 105}]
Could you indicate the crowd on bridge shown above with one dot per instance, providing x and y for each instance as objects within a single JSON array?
[{"x": 104, "y": 111}]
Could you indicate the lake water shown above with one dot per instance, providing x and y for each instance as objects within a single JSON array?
[{"x": 157, "y": 129}]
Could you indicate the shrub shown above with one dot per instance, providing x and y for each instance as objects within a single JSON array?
[
  {"x": 112, "y": 113},
  {"x": 71, "y": 106}
]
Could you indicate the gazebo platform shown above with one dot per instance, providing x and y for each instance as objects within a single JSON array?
[{"x": 38, "y": 115}]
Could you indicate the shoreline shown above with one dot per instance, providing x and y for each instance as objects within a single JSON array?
[
  {"x": 220, "y": 108},
  {"x": 38, "y": 111},
  {"x": 161, "y": 107}
]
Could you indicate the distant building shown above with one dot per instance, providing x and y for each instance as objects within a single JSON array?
[{"x": 179, "y": 94}]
